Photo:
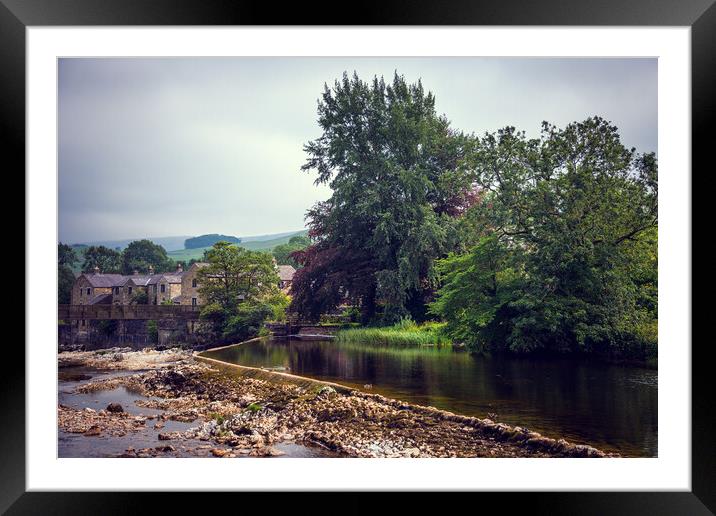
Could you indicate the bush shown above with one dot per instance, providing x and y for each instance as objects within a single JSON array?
[{"x": 153, "y": 331}]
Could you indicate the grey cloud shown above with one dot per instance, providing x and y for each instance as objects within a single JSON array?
[{"x": 197, "y": 145}]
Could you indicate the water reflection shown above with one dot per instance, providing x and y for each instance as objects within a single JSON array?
[{"x": 609, "y": 406}]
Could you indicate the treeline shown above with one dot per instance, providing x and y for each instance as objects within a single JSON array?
[{"x": 519, "y": 244}]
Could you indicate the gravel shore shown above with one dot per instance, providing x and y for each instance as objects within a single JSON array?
[{"x": 236, "y": 414}]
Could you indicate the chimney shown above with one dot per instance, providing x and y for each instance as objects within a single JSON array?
[
  {"x": 151, "y": 269},
  {"x": 96, "y": 269},
  {"x": 179, "y": 267}
]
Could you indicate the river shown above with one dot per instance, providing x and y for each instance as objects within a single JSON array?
[{"x": 612, "y": 407}]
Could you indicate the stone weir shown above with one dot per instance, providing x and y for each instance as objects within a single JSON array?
[{"x": 301, "y": 330}]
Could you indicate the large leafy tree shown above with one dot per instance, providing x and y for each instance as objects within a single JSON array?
[
  {"x": 66, "y": 255},
  {"x": 241, "y": 290},
  {"x": 393, "y": 166},
  {"x": 565, "y": 244},
  {"x": 66, "y": 258},
  {"x": 140, "y": 254},
  {"x": 105, "y": 259}
]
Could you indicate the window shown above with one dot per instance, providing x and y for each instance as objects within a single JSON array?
[
  {"x": 193, "y": 283},
  {"x": 193, "y": 301},
  {"x": 89, "y": 291},
  {"x": 154, "y": 287},
  {"x": 116, "y": 291},
  {"x": 162, "y": 288}
]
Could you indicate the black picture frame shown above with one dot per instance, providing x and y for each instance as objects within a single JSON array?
[{"x": 700, "y": 15}]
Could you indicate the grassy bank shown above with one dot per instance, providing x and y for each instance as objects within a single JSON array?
[{"x": 404, "y": 334}]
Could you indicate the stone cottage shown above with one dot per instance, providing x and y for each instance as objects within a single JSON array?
[
  {"x": 96, "y": 288},
  {"x": 285, "y": 274}
]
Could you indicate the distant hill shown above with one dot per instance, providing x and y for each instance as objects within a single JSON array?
[
  {"x": 256, "y": 243},
  {"x": 273, "y": 236},
  {"x": 208, "y": 240},
  {"x": 171, "y": 243}
]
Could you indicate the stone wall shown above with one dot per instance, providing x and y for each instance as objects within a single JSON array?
[{"x": 188, "y": 290}]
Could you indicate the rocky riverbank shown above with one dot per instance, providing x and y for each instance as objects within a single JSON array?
[{"x": 234, "y": 415}]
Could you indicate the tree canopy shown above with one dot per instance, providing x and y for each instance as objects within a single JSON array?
[
  {"x": 66, "y": 258},
  {"x": 105, "y": 259},
  {"x": 140, "y": 254},
  {"x": 520, "y": 244},
  {"x": 283, "y": 253},
  {"x": 392, "y": 164},
  {"x": 563, "y": 244},
  {"x": 241, "y": 290}
]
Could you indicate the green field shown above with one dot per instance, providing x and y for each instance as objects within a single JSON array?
[{"x": 184, "y": 255}]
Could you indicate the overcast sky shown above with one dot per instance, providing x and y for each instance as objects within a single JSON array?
[{"x": 163, "y": 147}]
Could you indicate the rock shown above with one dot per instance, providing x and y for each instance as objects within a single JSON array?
[
  {"x": 411, "y": 452},
  {"x": 115, "y": 408},
  {"x": 272, "y": 452},
  {"x": 257, "y": 440},
  {"x": 164, "y": 437},
  {"x": 158, "y": 425},
  {"x": 93, "y": 431},
  {"x": 326, "y": 392},
  {"x": 219, "y": 452},
  {"x": 165, "y": 448},
  {"x": 90, "y": 410}
]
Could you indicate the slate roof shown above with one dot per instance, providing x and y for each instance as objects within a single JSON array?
[
  {"x": 174, "y": 277},
  {"x": 286, "y": 272},
  {"x": 105, "y": 280},
  {"x": 171, "y": 277},
  {"x": 138, "y": 279}
]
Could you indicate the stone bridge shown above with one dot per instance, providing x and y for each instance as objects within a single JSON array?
[
  {"x": 128, "y": 312},
  {"x": 84, "y": 325}
]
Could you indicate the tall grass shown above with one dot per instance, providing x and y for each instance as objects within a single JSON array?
[{"x": 404, "y": 334}]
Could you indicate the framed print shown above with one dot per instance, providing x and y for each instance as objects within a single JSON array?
[{"x": 426, "y": 251}]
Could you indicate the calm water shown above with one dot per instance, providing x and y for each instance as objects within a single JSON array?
[{"x": 611, "y": 407}]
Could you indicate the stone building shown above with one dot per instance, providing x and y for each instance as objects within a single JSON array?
[
  {"x": 285, "y": 274},
  {"x": 179, "y": 287},
  {"x": 190, "y": 285},
  {"x": 95, "y": 288}
]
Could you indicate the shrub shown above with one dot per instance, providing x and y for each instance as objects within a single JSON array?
[{"x": 153, "y": 331}]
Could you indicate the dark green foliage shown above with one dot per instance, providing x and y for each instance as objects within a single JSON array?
[
  {"x": 140, "y": 254},
  {"x": 105, "y": 259},
  {"x": 393, "y": 166},
  {"x": 563, "y": 246},
  {"x": 209, "y": 240},
  {"x": 283, "y": 253},
  {"x": 140, "y": 297},
  {"x": 241, "y": 290},
  {"x": 153, "y": 331},
  {"x": 107, "y": 327},
  {"x": 300, "y": 240},
  {"x": 66, "y": 255},
  {"x": 247, "y": 321},
  {"x": 65, "y": 281}
]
